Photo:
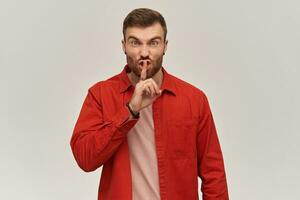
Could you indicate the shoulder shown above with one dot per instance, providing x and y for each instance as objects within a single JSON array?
[
  {"x": 187, "y": 89},
  {"x": 190, "y": 97},
  {"x": 111, "y": 83}
]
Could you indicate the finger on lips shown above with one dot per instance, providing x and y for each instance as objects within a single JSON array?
[
  {"x": 143, "y": 74},
  {"x": 150, "y": 86}
]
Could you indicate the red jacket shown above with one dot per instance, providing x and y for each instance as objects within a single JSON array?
[{"x": 187, "y": 144}]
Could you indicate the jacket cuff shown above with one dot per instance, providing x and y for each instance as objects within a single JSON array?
[{"x": 122, "y": 121}]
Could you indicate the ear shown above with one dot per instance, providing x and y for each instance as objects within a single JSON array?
[
  {"x": 166, "y": 46},
  {"x": 123, "y": 46}
]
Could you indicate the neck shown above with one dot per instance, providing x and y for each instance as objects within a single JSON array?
[{"x": 158, "y": 77}]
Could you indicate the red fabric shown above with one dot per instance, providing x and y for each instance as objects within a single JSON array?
[{"x": 187, "y": 144}]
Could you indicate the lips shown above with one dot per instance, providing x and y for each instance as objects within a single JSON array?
[{"x": 144, "y": 63}]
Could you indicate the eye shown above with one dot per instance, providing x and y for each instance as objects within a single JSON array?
[
  {"x": 154, "y": 43},
  {"x": 134, "y": 43}
]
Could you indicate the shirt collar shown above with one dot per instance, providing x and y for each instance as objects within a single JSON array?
[{"x": 167, "y": 84}]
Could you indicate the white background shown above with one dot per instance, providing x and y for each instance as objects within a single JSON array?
[{"x": 243, "y": 54}]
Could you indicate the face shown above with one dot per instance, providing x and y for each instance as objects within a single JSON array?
[{"x": 144, "y": 48}]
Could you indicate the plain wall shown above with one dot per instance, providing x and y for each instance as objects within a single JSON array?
[{"x": 243, "y": 54}]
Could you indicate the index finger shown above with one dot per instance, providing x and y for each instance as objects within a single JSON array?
[{"x": 143, "y": 74}]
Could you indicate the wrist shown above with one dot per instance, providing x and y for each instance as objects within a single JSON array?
[{"x": 134, "y": 113}]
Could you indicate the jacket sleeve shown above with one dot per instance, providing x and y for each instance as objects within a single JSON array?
[
  {"x": 94, "y": 140},
  {"x": 210, "y": 160}
]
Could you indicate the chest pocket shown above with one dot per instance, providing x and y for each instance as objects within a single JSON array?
[{"x": 181, "y": 138}]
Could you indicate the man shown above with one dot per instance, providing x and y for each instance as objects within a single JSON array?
[{"x": 153, "y": 133}]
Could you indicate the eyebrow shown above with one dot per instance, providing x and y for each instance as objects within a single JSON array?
[{"x": 154, "y": 38}]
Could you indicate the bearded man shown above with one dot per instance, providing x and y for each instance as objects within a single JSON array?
[{"x": 152, "y": 132}]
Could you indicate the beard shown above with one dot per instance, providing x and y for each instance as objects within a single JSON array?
[{"x": 135, "y": 65}]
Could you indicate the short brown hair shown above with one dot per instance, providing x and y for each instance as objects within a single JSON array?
[{"x": 144, "y": 17}]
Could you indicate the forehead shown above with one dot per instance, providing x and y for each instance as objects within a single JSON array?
[{"x": 145, "y": 33}]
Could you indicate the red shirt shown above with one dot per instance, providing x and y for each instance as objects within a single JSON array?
[{"x": 187, "y": 144}]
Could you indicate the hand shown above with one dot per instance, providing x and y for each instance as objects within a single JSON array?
[{"x": 146, "y": 91}]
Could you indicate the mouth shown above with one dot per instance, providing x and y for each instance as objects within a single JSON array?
[{"x": 144, "y": 63}]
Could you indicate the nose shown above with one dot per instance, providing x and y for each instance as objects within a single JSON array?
[{"x": 144, "y": 52}]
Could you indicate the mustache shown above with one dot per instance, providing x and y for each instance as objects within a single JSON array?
[{"x": 145, "y": 58}]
